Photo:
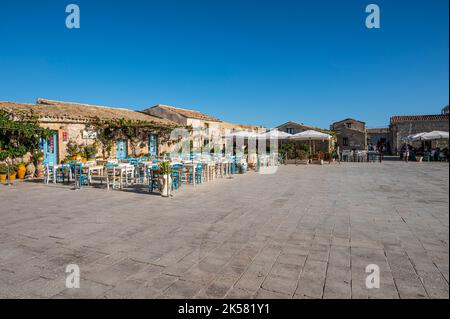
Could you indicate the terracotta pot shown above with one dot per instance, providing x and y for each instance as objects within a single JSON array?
[
  {"x": 3, "y": 178},
  {"x": 21, "y": 171},
  {"x": 12, "y": 176},
  {"x": 40, "y": 168}
]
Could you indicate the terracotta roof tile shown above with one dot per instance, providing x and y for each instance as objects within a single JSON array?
[
  {"x": 410, "y": 118},
  {"x": 56, "y": 111},
  {"x": 189, "y": 113}
]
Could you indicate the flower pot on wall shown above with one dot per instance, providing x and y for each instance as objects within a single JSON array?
[
  {"x": 12, "y": 176},
  {"x": 2, "y": 178}
]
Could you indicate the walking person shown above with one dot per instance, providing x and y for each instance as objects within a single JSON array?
[
  {"x": 406, "y": 154},
  {"x": 381, "y": 151}
]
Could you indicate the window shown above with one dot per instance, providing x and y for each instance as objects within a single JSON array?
[
  {"x": 290, "y": 130},
  {"x": 345, "y": 141},
  {"x": 349, "y": 125}
]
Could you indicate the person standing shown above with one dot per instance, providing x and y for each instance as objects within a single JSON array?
[
  {"x": 381, "y": 150},
  {"x": 406, "y": 153}
]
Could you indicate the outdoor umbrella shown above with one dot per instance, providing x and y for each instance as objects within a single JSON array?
[
  {"x": 244, "y": 134},
  {"x": 310, "y": 135},
  {"x": 275, "y": 134},
  {"x": 412, "y": 137},
  {"x": 433, "y": 135}
]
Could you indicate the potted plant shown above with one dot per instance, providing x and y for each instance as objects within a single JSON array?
[
  {"x": 72, "y": 150},
  {"x": 165, "y": 179},
  {"x": 21, "y": 170},
  {"x": 90, "y": 151},
  {"x": 12, "y": 172},
  {"x": 3, "y": 172}
]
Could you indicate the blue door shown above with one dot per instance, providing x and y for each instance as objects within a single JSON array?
[
  {"x": 121, "y": 149},
  {"x": 50, "y": 149},
  {"x": 153, "y": 145}
]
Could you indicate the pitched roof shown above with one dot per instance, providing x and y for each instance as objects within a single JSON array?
[
  {"x": 347, "y": 119},
  {"x": 60, "y": 111},
  {"x": 315, "y": 128},
  {"x": 187, "y": 113},
  {"x": 412, "y": 118}
]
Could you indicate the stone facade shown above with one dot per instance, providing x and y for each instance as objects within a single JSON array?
[
  {"x": 74, "y": 132},
  {"x": 350, "y": 134},
  {"x": 402, "y": 126},
  {"x": 70, "y": 121},
  {"x": 378, "y": 136},
  {"x": 205, "y": 128}
]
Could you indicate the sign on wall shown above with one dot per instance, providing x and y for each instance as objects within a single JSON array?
[{"x": 88, "y": 134}]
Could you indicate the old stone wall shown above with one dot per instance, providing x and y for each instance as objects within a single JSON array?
[
  {"x": 403, "y": 129},
  {"x": 74, "y": 132}
]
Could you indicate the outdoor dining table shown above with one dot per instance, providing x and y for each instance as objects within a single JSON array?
[{"x": 91, "y": 169}]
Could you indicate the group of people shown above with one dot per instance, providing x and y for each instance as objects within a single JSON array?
[{"x": 408, "y": 152}]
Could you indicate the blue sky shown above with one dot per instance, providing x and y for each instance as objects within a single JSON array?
[{"x": 254, "y": 62}]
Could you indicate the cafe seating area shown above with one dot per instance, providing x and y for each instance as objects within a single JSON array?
[{"x": 164, "y": 175}]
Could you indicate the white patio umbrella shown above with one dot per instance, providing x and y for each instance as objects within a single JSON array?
[
  {"x": 433, "y": 135},
  {"x": 275, "y": 134},
  {"x": 244, "y": 134},
  {"x": 310, "y": 135},
  {"x": 412, "y": 137}
]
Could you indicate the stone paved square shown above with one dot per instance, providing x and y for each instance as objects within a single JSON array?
[{"x": 304, "y": 232}]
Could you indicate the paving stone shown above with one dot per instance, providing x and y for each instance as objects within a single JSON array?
[{"x": 216, "y": 240}]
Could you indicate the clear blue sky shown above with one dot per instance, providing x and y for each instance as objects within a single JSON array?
[{"x": 256, "y": 62}]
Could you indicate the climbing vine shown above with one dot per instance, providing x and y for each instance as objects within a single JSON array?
[
  {"x": 20, "y": 133},
  {"x": 135, "y": 131}
]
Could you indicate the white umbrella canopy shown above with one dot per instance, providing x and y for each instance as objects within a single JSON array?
[
  {"x": 244, "y": 134},
  {"x": 275, "y": 134},
  {"x": 434, "y": 135},
  {"x": 310, "y": 135},
  {"x": 412, "y": 137}
]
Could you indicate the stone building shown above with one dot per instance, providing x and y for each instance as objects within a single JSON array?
[
  {"x": 402, "y": 126},
  {"x": 292, "y": 127},
  {"x": 377, "y": 137},
  {"x": 205, "y": 128},
  {"x": 350, "y": 134},
  {"x": 71, "y": 122}
]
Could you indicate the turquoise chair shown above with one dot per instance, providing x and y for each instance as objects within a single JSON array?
[
  {"x": 199, "y": 173},
  {"x": 177, "y": 170}
]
